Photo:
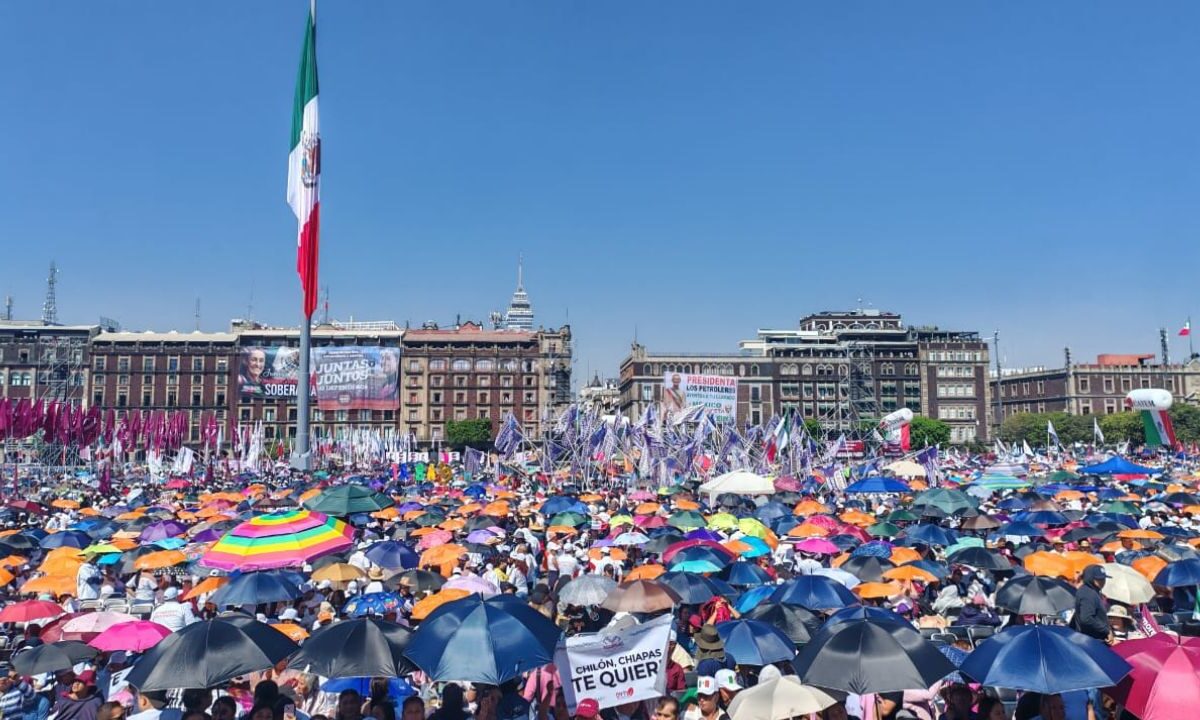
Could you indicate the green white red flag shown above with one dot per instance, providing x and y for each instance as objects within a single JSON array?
[{"x": 304, "y": 168}]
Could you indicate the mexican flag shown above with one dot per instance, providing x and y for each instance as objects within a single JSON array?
[
  {"x": 1159, "y": 431},
  {"x": 304, "y": 168}
]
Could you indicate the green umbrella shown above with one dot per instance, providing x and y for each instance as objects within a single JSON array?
[
  {"x": 946, "y": 500},
  {"x": 687, "y": 520},
  {"x": 570, "y": 519},
  {"x": 962, "y": 543},
  {"x": 429, "y": 519},
  {"x": 1121, "y": 507},
  {"x": 902, "y": 515},
  {"x": 1060, "y": 476},
  {"x": 346, "y": 500},
  {"x": 883, "y": 529}
]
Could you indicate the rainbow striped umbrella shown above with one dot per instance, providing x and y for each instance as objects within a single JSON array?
[{"x": 282, "y": 539}]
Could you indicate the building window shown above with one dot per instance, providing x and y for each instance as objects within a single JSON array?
[
  {"x": 173, "y": 363},
  {"x": 414, "y": 366},
  {"x": 98, "y": 398},
  {"x": 123, "y": 363},
  {"x": 437, "y": 364},
  {"x": 172, "y": 399},
  {"x": 790, "y": 390},
  {"x": 887, "y": 369},
  {"x": 148, "y": 364},
  {"x": 755, "y": 393},
  {"x": 412, "y": 415},
  {"x": 460, "y": 413},
  {"x": 1126, "y": 384},
  {"x": 196, "y": 399},
  {"x": 435, "y": 413},
  {"x": 483, "y": 381},
  {"x": 530, "y": 380},
  {"x": 122, "y": 400},
  {"x": 412, "y": 398},
  {"x": 911, "y": 369},
  {"x": 437, "y": 396},
  {"x": 98, "y": 363},
  {"x": 459, "y": 398},
  {"x": 1083, "y": 384},
  {"x": 647, "y": 393},
  {"x": 506, "y": 398},
  {"x": 172, "y": 379},
  {"x": 484, "y": 398},
  {"x": 197, "y": 379},
  {"x": 1110, "y": 407},
  {"x": 754, "y": 370},
  {"x": 147, "y": 397},
  {"x": 506, "y": 381},
  {"x": 460, "y": 381},
  {"x": 197, "y": 364},
  {"x": 460, "y": 365},
  {"x": 222, "y": 364},
  {"x": 1041, "y": 387},
  {"x": 528, "y": 397},
  {"x": 508, "y": 365},
  {"x": 1108, "y": 385},
  {"x": 341, "y": 415},
  {"x": 755, "y": 417},
  {"x": 485, "y": 365},
  {"x": 221, "y": 380},
  {"x": 269, "y": 414}
]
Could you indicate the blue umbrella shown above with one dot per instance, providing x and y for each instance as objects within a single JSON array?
[
  {"x": 692, "y": 589},
  {"x": 485, "y": 641},
  {"x": 1048, "y": 659},
  {"x": 1012, "y": 503},
  {"x": 815, "y": 592},
  {"x": 927, "y": 534},
  {"x": 713, "y": 556},
  {"x": 938, "y": 569},
  {"x": 380, "y": 603},
  {"x": 253, "y": 588},
  {"x": 878, "y": 484},
  {"x": 875, "y": 548},
  {"x": 172, "y": 543},
  {"x": 753, "y": 597},
  {"x": 772, "y": 511},
  {"x": 744, "y": 574},
  {"x": 1181, "y": 573},
  {"x": 392, "y": 555},
  {"x": 561, "y": 504},
  {"x": 724, "y": 589},
  {"x": 752, "y": 642},
  {"x": 863, "y": 612},
  {"x": 704, "y": 534},
  {"x": 66, "y": 538},
  {"x": 758, "y": 548},
  {"x": 703, "y": 565},
  {"x": 1042, "y": 517},
  {"x": 398, "y": 688},
  {"x": 845, "y": 542}
]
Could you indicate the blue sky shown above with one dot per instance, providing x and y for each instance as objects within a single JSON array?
[{"x": 691, "y": 169}]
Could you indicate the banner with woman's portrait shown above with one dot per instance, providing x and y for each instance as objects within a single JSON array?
[{"x": 343, "y": 378}]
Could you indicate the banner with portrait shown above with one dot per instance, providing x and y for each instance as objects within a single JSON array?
[
  {"x": 343, "y": 378},
  {"x": 682, "y": 392}
]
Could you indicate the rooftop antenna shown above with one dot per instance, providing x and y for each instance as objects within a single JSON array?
[
  {"x": 1162, "y": 339},
  {"x": 50, "y": 307},
  {"x": 520, "y": 271},
  {"x": 250, "y": 306},
  {"x": 325, "y": 305},
  {"x": 197, "y": 314},
  {"x": 8, "y": 305}
]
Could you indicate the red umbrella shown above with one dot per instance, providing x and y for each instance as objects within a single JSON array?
[
  {"x": 1165, "y": 682},
  {"x": 53, "y": 631},
  {"x": 29, "y": 610},
  {"x": 27, "y": 506},
  {"x": 178, "y": 484},
  {"x": 650, "y": 522}
]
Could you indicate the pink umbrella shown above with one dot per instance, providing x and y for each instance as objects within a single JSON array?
[
  {"x": 787, "y": 484},
  {"x": 825, "y": 521},
  {"x": 136, "y": 636},
  {"x": 641, "y": 495},
  {"x": 1165, "y": 682},
  {"x": 817, "y": 546},
  {"x": 96, "y": 622},
  {"x": 650, "y": 522},
  {"x": 438, "y": 537},
  {"x": 472, "y": 583}
]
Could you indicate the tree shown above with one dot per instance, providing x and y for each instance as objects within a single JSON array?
[
  {"x": 476, "y": 433},
  {"x": 814, "y": 429},
  {"x": 1186, "y": 421},
  {"x": 924, "y": 432},
  {"x": 1123, "y": 427},
  {"x": 1024, "y": 427}
]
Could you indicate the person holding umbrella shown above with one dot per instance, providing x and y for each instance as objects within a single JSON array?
[{"x": 1091, "y": 609}]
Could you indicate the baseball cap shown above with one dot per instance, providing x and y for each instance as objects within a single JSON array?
[
  {"x": 728, "y": 680},
  {"x": 587, "y": 708},
  {"x": 706, "y": 685},
  {"x": 171, "y": 593},
  {"x": 87, "y": 677}
]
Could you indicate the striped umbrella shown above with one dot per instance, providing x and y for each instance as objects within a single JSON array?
[{"x": 281, "y": 539}]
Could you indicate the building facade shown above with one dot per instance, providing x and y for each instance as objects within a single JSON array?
[
  {"x": 1095, "y": 388},
  {"x": 46, "y": 362},
  {"x": 842, "y": 368}
]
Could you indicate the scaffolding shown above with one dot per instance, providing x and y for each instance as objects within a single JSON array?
[{"x": 60, "y": 378}]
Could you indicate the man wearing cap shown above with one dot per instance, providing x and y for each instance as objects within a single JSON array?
[
  {"x": 727, "y": 685},
  {"x": 172, "y": 614},
  {"x": 708, "y": 693},
  {"x": 1091, "y": 609},
  {"x": 587, "y": 709}
]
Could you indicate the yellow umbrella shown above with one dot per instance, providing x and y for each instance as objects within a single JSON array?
[
  {"x": 339, "y": 572},
  {"x": 752, "y": 527}
]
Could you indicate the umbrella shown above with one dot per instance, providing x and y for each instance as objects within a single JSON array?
[
  {"x": 1035, "y": 595},
  {"x": 1049, "y": 659},
  {"x": 819, "y": 546},
  {"x": 29, "y": 610},
  {"x": 878, "y": 484},
  {"x": 864, "y": 612},
  {"x": 928, "y": 534},
  {"x": 980, "y": 559},
  {"x": 255, "y": 587},
  {"x": 392, "y": 555},
  {"x": 136, "y": 636},
  {"x": 796, "y": 622},
  {"x": 815, "y": 592},
  {"x": 52, "y": 657},
  {"x": 346, "y": 500},
  {"x": 419, "y": 580},
  {"x": 282, "y": 539},
  {"x": 948, "y": 500},
  {"x": 485, "y": 641},
  {"x": 162, "y": 530},
  {"x": 424, "y": 607},
  {"x": 866, "y": 656},
  {"x": 1181, "y": 573},
  {"x": 472, "y": 584},
  {"x": 377, "y": 603},
  {"x": 867, "y": 568},
  {"x": 980, "y": 522},
  {"x": 95, "y": 622},
  {"x": 779, "y": 699},
  {"x": 586, "y": 590},
  {"x": 691, "y": 588},
  {"x": 752, "y": 642},
  {"x": 210, "y": 653},
  {"x": 338, "y": 572},
  {"x": 1126, "y": 585},
  {"x": 744, "y": 574},
  {"x": 641, "y": 596},
  {"x": 356, "y": 648},
  {"x": 66, "y": 538},
  {"x": 1165, "y": 682}
]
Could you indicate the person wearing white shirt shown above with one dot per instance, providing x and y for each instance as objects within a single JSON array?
[{"x": 173, "y": 614}]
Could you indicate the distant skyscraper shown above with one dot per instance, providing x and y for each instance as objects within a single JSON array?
[{"x": 520, "y": 312}]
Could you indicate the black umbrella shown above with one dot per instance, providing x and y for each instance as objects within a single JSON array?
[
  {"x": 327, "y": 560},
  {"x": 364, "y": 647},
  {"x": 53, "y": 657},
  {"x": 980, "y": 559},
  {"x": 256, "y": 587},
  {"x": 867, "y": 568},
  {"x": 479, "y": 522},
  {"x": 798, "y": 623},
  {"x": 864, "y": 656},
  {"x": 981, "y": 522},
  {"x": 1035, "y": 595},
  {"x": 210, "y": 653},
  {"x": 692, "y": 589},
  {"x": 657, "y": 545},
  {"x": 419, "y": 580}
]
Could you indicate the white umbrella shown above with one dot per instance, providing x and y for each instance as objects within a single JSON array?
[
  {"x": 779, "y": 699},
  {"x": 626, "y": 539},
  {"x": 586, "y": 590},
  {"x": 906, "y": 469},
  {"x": 1126, "y": 585},
  {"x": 845, "y": 578},
  {"x": 739, "y": 482}
]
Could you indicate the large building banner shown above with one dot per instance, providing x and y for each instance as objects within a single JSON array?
[
  {"x": 343, "y": 378},
  {"x": 614, "y": 667},
  {"x": 684, "y": 391}
]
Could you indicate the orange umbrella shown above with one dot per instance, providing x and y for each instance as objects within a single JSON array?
[
  {"x": 292, "y": 630},
  {"x": 1141, "y": 534},
  {"x": 736, "y": 546},
  {"x": 412, "y": 515},
  {"x": 770, "y": 538},
  {"x": 207, "y": 585},
  {"x": 6, "y": 533},
  {"x": 901, "y": 555},
  {"x": 808, "y": 530},
  {"x": 1114, "y": 546},
  {"x": 12, "y": 561},
  {"x": 160, "y": 559},
  {"x": 562, "y": 530},
  {"x": 123, "y": 543},
  {"x": 131, "y": 515},
  {"x": 877, "y": 589},
  {"x": 388, "y": 513},
  {"x": 496, "y": 509},
  {"x": 857, "y": 517},
  {"x": 469, "y": 508},
  {"x": 89, "y": 511},
  {"x": 65, "y": 504},
  {"x": 1149, "y": 566},
  {"x": 910, "y": 572},
  {"x": 63, "y": 565},
  {"x": 645, "y": 572},
  {"x": 686, "y": 505},
  {"x": 442, "y": 555},
  {"x": 590, "y": 498},
  {"x": 56, "y": 584},
  {"x": 453, "y": 524},
  {"x": 1069, "y": 495},
  {"x": 646, "y": 508},
  {"x": 809, "y": 507},
  {"x": 1192, "y": 509},
  {"x": 426, "y": 605},
  {"x": 6, "y": 577},
  {"x": 616, "y": 553},
  {"x": 837, "y": 561},
  {"x": 506, "y": 495},
  {"x": 339, "y": 572},
  {"x": 1080, "y": 560},
  {"x": 1049, "y": 564}
]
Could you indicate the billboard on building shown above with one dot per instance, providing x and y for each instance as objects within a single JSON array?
[
  {"x": 343, "y": 378},
  {"x": 684, "y": 391}
]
